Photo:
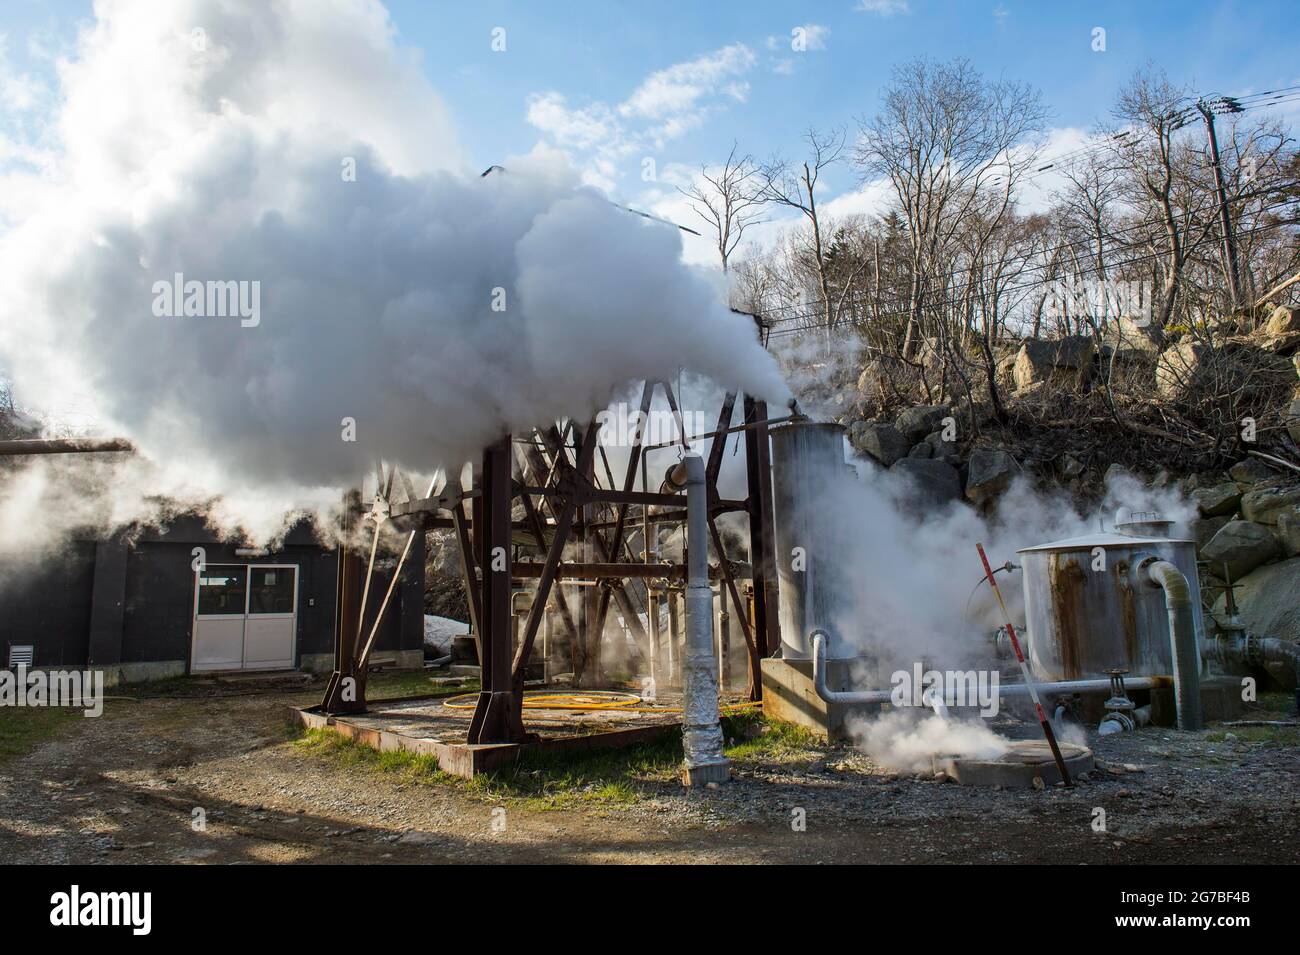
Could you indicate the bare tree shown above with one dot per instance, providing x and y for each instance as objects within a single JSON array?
[
  {"x": 727, "y": 199},
  {"x": 953, "y": 147},
  {"x": 794, "y": 185},
  {"x": 1151, "y": 110}
]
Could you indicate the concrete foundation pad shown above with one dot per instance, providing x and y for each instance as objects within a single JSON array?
[
  {"x": 422, "y": 725},
  {"x": 789, "y": 695},
  {"x": 1017, "y": 767},
  {"x": 708, "y": 773}
]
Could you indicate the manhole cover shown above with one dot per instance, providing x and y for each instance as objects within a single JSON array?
[{"x": 1018, "y": 766}]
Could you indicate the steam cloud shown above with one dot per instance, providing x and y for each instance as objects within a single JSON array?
[{"x": 214, "y": 138}]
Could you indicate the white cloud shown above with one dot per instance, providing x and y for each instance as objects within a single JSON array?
[
  {"x": 814, "y": 35},
  {"x": 665, "y": 106},
  {"x": 883, "y": 8},
  {"x": 682, "y": 86}
]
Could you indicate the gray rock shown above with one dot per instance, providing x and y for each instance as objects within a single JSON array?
[
  {"x": 880, "y": 441},
  {"x": 1288, "y": 530},
  {"x": 1293, "y": 416},
  {"x": 1242, "y": 546},
  {"x": 934, "y": 484},
  {"x": 1204, "y": 528},
  {"x": 1068, "y": 360},
  {"x": 1070, "y": 466},
  {"x": 1263, "y": 505},
  {"x": 1251, "y": 471},
  {"x": 1282, "y": 330},
  {"x": 1267, "y": 603},
  {"x": 1217, "y": 500},
  {"x": 990, "y": 472},
  {"x": 1179, "y": 368},
  {"x": 918, "y": 421},
  {"x": 946, "y": 450},
  {"x": 922, "y": 449}
]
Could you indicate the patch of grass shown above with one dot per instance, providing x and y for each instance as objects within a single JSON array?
[
  {"x": 1270, "y": 736},
  {"x": 346, "y": 753},
  {"x": 396, "y": 684},
  {"x": 556, "y": 780},
  {"x": 24, "y": 728},
  {"x": 782, "y": 742},
  {"x": 538, "y": 780}
]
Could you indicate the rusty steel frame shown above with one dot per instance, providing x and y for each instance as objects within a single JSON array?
[{"x": 552, "y": 474}]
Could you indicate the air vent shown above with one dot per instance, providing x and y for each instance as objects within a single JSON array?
[{"x": 20, "y": 656}]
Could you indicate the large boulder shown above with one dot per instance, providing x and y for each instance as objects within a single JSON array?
[
  {"x": 1132, "y": 338},
  {"x": 1204, "y": 528},
  {"x": 1180, "y": 368},
  {"x": 942, "y": 448},
  {"x": 1241, "y": 546},
  {"x": 930, "y": 484},
  {"x": 880, "y": 441},
  {"x": 1217, "y": 500},
  {"x": 919, "y": 420},
  {"x": 1263, "y": 505},
  {"x": 1281, "y": 332},
  {"x": 1288, "y": 531},
  {"x": 1064, "y": 360},
  {"x": 1267, "y": 604},
  {"x": 989, "y": 473},
  {"x": 1251, "y": 471}
]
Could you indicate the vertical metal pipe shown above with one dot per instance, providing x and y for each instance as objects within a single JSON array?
[
  {"x": 674, "y": 638},
  {"x": 1184, "y": 642},
  {"x": 701, "y": 731}
]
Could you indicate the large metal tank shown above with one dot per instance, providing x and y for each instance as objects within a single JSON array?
[
  {"x": 1083, "y": 621},
  {"x": 808, "y": 464}
]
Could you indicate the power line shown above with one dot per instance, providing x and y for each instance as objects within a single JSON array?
[{"x": 1072, "y": 244}]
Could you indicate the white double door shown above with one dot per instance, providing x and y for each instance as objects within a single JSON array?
[{"x": 245, "y": 617}]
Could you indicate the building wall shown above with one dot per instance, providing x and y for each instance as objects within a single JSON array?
[{"x": 128, "y": 606}]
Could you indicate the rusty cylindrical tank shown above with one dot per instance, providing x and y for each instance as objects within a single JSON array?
[{"x": 1089, "y": 610}]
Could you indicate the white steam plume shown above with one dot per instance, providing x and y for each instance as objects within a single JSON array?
[{"x": 215, "y": 138}]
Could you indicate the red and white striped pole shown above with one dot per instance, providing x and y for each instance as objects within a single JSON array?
[{"x": 1024, "y": 670}]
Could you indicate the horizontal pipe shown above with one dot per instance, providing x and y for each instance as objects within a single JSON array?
[
  {"x": 64, "y": 445},
  {"x": 1007, "y": 690}
]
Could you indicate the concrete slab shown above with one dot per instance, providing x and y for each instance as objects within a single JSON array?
[
  {"x": 427, "y": 726},
  {"x": 789, "y": 695}
]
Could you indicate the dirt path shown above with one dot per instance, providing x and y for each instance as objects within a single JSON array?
[{"x": 125, "y": 789}]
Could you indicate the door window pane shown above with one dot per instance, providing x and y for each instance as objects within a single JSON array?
[
  {"x": 271, "y": 589},
  {"x": 221, "y": 590}
]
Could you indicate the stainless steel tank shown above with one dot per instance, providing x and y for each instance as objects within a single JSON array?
[
  {"x": 808, "y": 464},
  {"x": 1086, "y": 615}
]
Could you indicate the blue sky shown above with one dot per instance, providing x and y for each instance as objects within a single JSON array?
[{"x": 580, "y": 75}]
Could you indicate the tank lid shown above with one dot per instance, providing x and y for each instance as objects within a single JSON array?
[{"x": 1089, "y": 541}]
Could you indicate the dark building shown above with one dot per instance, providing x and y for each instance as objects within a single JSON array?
[{"x": 138, "y": 609}]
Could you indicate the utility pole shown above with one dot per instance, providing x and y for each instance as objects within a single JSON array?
[{"x": 1207, "y": 109}]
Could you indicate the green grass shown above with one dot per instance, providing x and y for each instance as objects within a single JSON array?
[
  {"x": 548, "y": 779},
  {"x": 556, "y": 780},
  {"x": 1272, "y": 705},
  {"x": 538, "y": 780},
  {"x": 396, "y": 684},
  {"x": 348, "y": 754},
  {"x": 22, "y": 729},
  {"x": 1271, "y": 736},
  {"x": 779, "y": 742}
]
